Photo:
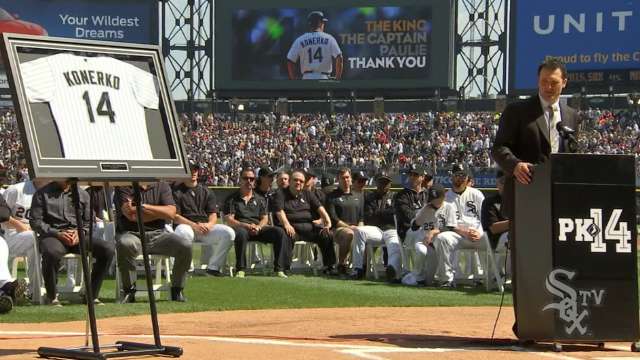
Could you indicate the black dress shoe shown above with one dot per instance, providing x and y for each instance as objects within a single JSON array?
[
  {"x": 357, "y": 274},
  {"x": 391, "y": 274},
  {"x": 214, "y": 273},
  {"x": 176, "y": 295},
  {"x": 330, "y": 271}
]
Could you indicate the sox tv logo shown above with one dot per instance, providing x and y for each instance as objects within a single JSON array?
[
  {"x": 590, "y": 230},
  {"x": 574, "y": 304}
]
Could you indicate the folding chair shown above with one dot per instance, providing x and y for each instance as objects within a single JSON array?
[
  {"x": 306, "y": 255},
  {"x": 160, "y": 267},
  {"x": 493, "y": 266}
]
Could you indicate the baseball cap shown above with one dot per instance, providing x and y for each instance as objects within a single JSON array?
[
  {"x": 194, "y": 165},
  {"x": 418, "y": 169},
  {"x": 360, "y": 175},
  {"x": 459, "y": 168},
  {"x": 309, "y": 173},
  {"x": 265, "y": 171},
  {"x": 316, "y": 16},
  {"x": 436, "y": 192},
  {"x": 383, "y": 175}
]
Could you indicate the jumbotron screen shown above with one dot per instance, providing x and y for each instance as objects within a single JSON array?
[{"x": 336, "y": 44}]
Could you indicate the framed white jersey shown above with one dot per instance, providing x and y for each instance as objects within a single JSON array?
[
  {"x": 97, "y": 104},
  {"x": 468, "y": 206},
  {"x": 94, "y": 111}
]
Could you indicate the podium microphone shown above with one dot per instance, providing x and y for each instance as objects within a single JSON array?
[{"x": 567, "y": 134}]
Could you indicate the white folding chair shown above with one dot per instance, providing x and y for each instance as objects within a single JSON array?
[
  {"x": 493, "y": 267},
  {"x": 306, "y": 255},
  {"x": 161, "y": 270}
]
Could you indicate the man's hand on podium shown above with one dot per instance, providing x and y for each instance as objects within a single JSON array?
[{"x": 522, "y": 172}]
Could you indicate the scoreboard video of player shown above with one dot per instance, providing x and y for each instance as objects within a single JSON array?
[{"x": 334, "y": 44}]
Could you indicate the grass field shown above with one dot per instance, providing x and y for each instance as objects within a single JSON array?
[
  {"x": 258, "y": 291},
  {"x": 266, "y": 292}
]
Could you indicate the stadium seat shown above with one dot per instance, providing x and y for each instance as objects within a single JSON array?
[
  {"x": 161, "y": 271},
  {"x": 306, "y": 255},
  {"x": 73, "y": 286},
  {"x": 264, "y": 263},
  {"x": 494, "y": 266}
]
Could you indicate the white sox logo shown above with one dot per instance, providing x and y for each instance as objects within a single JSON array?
[
  {"x": 590, "y": 230},
  {"x": 472, "y": 208},
  {"x": 571, "y": 310}
]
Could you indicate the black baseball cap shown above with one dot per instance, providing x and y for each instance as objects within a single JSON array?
[
  {"x": 194, "y": 165},
  {"x": 383, "y": 175},
  {"x": 418, "y": 169},
  {"x": 360, "y": 175},
  {"x": 309, "y": 173},
  {"x": 265, "y": 171},
  {"x": 436, "y": 191},
  {"x": 459, "y": 169},
  {"x": 316, "y": 16}
]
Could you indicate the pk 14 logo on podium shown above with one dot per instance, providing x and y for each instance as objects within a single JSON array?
[
  {"x": 590, "y": 230},
  {"x": 574, "y": 304}
]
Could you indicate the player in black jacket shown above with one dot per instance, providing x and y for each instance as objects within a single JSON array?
[{"x": 380, "y": 229}]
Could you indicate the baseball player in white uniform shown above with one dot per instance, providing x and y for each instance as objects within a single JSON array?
[
  {"x": 10, "y": 289},
  {"x": 433, "y": 223},
  {"x": 19, "y": 237},
  {"x": 315, "y": 51},
  {"x": 468, "y": 233},
  {"x": 97, "y": 103}
]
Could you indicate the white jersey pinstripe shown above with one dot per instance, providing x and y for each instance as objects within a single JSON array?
[
  {"x": 468, "y": 206},
  {"x": 18, "y": 197},
  {"x": 429, "y": 218},
  {"x": 97, "y": 103}
]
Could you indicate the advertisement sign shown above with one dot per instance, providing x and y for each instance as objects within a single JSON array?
[{"x": 597, "y": 40}]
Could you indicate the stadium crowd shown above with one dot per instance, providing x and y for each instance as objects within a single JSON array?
[
  {"x": 222, "y": 144},
  {"x": 435, "y": 140}
]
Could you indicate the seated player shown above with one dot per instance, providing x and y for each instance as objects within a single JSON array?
[
  {"x": 433, "y": 222},
  {"x": 246, "y": 212},
  {"x": 197, "y": 217},
  {"x": 11, "y": 290},
  {"x": 158, "y": 208},
  {"x": 380, "y": 229},
  {"x": 294, "y": 208},
  {"x": 53, "y": 218},
  {"x": 345, "y": 208},
  {"x": 468, "y": 232}
]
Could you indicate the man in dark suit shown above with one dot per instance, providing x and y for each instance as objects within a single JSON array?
[{"x": 528, "y": 134}]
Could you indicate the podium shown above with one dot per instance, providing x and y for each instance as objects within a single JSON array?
[{"x": 576, "y": 252}]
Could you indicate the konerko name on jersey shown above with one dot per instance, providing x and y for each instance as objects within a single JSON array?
[{"x": 98, "y": 104}]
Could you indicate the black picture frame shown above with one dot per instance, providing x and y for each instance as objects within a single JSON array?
[{"x": 169, "y": 160}]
